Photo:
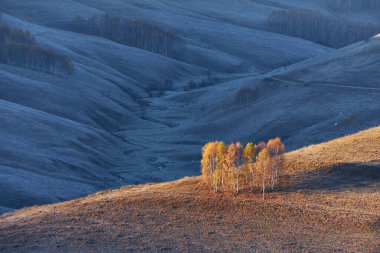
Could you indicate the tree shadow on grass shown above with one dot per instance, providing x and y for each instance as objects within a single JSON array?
[
  {"x": 376, "y": 228},
  {"x": 339, "y": 178}
]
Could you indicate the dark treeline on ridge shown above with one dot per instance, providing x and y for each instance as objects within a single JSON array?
[
  {"x": 19, "y": 48},
  {"x": 135, "y": 33},
  {"x": 326, "y": 30},
  {"x": 347, "y": 6}
]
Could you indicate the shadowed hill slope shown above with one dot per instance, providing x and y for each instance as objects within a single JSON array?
[
  {"x": 319, "y": 99},
  {"x": 77, "y": 134},
  {"x": 99, "y": 128},
  {"x": 326, "y": 92},
  {"x": 187, "y": 216},
  {"x": 61, "y": 130},
  {"x": 212, "y": 42}
]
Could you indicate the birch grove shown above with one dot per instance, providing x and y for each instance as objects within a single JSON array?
[
  {"x": 19, "y": 48},
  {"x": 334, "y": 31},
  {"x": 135, "y": 33},
  {"x": 234, "y": 168}
]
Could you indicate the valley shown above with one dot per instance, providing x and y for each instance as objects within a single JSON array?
[{"x": 101, "y": 127}]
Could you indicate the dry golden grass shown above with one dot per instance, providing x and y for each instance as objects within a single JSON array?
[
  {"x": 333, "y": 205},
  {"x": 362, "y": 147}
]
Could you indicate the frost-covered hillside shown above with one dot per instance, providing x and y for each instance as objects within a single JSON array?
[{"x": 103, "y": 126}]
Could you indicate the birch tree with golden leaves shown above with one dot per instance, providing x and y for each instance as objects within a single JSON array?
[
  {"x": 208, "y": 163},
  {"x": 234, "y": 159},
  {"x": 220, "y": 160},
  {"x": 276, "y": 149},
  {"x": 249, "y": 153},
  {"x": 263, "y": 164}
]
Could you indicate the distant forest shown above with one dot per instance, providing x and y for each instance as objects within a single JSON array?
[
  {"x": 19, "y": 48},
  {"x": 326, "y": 30},
  {"x": 347, "y": 6},
  {"x": 135, "y": 33}
]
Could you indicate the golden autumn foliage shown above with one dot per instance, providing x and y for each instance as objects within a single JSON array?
[
  {"x": 263, "y": 165},
  {"x": 208, "y": 162},
  {"x": 276, "y": 150},
  {"x": 235, "y": 168}
]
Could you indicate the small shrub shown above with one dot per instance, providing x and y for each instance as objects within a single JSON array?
[
  {"x": 352, "y": 118},
  {"x": 205, "y": 82},
  {"x": 245, "y": 95},
  {"x": 159, "y": 89}
]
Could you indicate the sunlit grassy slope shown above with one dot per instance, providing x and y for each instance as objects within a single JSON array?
[
  {"x": 363, "y": 147},
  {"x": 332, "y": 204}
]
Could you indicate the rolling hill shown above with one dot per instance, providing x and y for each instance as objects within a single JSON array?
[
  {"x": 334, "y": 195},
  {"x": 100, "y": 128}
]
